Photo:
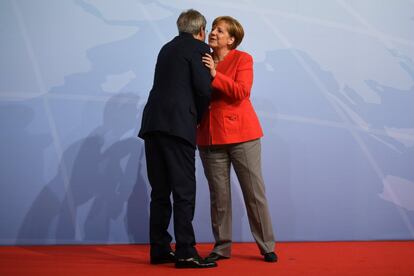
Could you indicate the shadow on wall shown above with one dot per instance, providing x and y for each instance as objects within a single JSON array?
[
  {"x": 99, "y": 180},
  {"x": 19, "y": 148},
  {"x": 326, "y": 171}
]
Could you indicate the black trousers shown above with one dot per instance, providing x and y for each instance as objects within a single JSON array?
[{"x": 171, "y": 170}]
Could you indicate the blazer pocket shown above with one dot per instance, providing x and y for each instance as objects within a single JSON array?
[{"x": 231, "y": 123}]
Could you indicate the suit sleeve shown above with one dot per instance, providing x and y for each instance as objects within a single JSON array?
[
  {"x": 201, "y": 81},
  {"x": 238, "y": 88}
]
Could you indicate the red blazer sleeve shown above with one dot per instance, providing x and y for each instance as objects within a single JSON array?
[{"x": 238, "y": 88}]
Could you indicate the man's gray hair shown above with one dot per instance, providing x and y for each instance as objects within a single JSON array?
[{"x": 191, "y": 21}]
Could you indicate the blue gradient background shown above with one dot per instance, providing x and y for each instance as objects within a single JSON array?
[{"x": 334, "y": 90}]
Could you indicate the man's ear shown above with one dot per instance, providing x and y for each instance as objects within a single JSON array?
[
  {"x": 202, "y": 33},
  {"x": 199, "y": 35}
]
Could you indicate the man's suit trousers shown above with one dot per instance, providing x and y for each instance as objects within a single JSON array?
[{"x": 171, "y": 170}]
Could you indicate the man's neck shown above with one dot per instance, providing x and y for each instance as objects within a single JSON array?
[{"x": 199, "y": 36}]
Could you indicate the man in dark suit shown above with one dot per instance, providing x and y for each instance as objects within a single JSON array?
[{"x": 180, "y": 93}]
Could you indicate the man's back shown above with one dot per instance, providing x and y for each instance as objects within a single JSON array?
[{"x": 181, "y": 89}]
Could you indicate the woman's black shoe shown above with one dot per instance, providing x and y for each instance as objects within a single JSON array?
[
  {"x": 270, "y": 257},
  {"x": 213, "y": 257}
]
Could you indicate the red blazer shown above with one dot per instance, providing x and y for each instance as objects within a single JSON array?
[{"x": 231, "y": 117}]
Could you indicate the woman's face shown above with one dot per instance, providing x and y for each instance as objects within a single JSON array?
[{"x": 219, "y": 37}]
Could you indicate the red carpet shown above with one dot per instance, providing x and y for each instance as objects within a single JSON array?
[{"x": 306, "y": 258}]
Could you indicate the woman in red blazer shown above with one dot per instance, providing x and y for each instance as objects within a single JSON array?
[{"x": 229, "y": 134}]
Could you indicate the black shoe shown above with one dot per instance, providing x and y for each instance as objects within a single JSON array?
[
  {"x": 167, "y": 258},
  {"x": 213, "y": 257},
  {"x": 195, "y": 262},
  {"x": 270, "y": 257}
]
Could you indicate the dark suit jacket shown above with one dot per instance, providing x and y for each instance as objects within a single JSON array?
[{"x": 181, "y": 90}]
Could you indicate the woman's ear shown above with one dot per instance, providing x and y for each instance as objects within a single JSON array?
[{"x": 230, "y": 41}]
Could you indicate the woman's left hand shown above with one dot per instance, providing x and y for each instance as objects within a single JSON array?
[{"x": 209, "y": 62}]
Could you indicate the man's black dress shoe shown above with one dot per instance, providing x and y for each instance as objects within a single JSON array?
[
  {"x": 270, "y": 257},
  {"x": 167, "y": 258},
  {"x": 194, "y": 262},
  {"x": 213, "y": 257}
]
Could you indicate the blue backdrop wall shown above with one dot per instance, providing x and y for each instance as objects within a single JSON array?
[{"x": 334, "y": 90}]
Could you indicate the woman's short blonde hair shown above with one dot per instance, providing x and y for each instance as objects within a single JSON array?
[{"x": 234, "y": 28}]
